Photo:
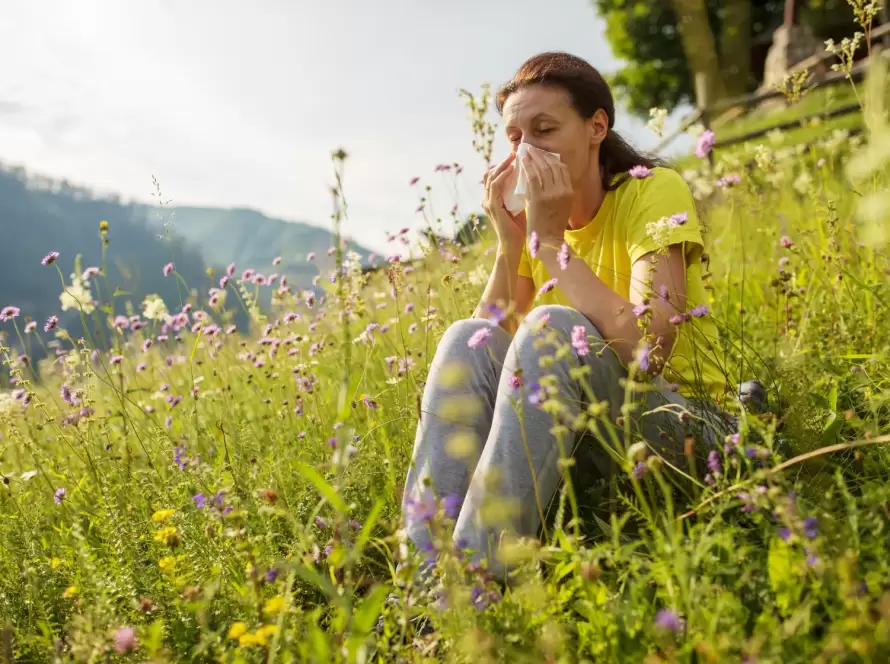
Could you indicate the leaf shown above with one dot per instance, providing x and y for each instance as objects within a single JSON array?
[
  {"x": 782, "y": 577},
  {"x": 367, "y": 612},
  {"x": 832, "y": 428},
  {"x": 607, "y": 530},
  {"x": 324, "y": 488}
]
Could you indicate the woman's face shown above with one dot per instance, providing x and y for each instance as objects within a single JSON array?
[{"x": 543, "y": 116}]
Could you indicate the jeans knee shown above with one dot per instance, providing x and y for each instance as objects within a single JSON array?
[
  {"x": 460, "y": 332},
  {"x": 560, "y": 317}
]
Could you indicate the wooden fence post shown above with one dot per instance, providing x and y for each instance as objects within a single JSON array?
[{"x": 703, "y": 97}]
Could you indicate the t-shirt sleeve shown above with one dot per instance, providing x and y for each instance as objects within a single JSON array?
[
  {"x": 525, "y": 265},
  {"x": 650, "y": 227}
]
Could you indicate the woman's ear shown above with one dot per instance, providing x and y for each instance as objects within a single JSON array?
[{"x": 598, "y": 127}]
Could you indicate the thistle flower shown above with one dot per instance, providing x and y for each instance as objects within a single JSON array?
[
  {"x": 167, "y": 270},
  {"x": 668, "y": 620},
  {"x": 9, "y": 312},
  {"x": 124, "y": 640},
  {"x": 50, "y": 258},
  {"x": 59, "y": 495},
  {"x": 533, "y": 244},
  {"x": 640, "y": 172},
  {"x": 563, "y": 256},
  {"x": 700, "y": 311},
  {"x": 480, "y": 338},
  {"x": 30, "y": 327},
  {"x": 548, "y": 286},
  {"x": 579, "y": 340},
  {"x": 51, "y": 323},
  {"x": 705, "y": 144}
]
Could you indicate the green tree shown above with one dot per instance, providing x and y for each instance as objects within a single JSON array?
[{"x": 662, "y": 53}]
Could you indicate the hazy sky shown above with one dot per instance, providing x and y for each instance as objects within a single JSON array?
[{"x": 237, "y": 103}]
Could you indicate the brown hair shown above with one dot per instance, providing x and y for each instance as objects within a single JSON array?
[{"x": 589, "y": 92}]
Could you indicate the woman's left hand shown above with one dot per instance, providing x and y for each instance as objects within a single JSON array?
[{"x": 550, "y": 196}]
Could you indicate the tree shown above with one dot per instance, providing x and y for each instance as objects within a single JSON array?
[{"x": 655, "y": 45}]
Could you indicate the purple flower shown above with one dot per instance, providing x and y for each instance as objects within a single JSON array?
[
  {"x": 167, "y": 270},
  {"x": 642, "y": 356},
  {"x": 678, "y": 219},
  {"x": 59, "y": 495},
  {"x": 272, "y": 573},
  {"x": 50, "y": 258},
  {"x": 179, "y": 456},
  {"x": 676, "y": 319},
  {"x": 480, "y": 338},
  {"x": 125, "y": 640},
  {"x": 8, "y": 313},
  {"x": 452, "y": 503},
  {"x": 714, "y": 462},
  {"x": 786, "y": 242},
  {"x": 496, "y": 314},
  {"x": 142, "y": 366},
  {"x": 811, "y": 527},
  {"x": 639, "y": 471},
  {"x": 533, "y": 244},
  {"x": 548, "y": 286},
  {"x": 51, "y": 323},
  {"x": 705, "y": 144},
  {"x": 668, "y": 620},
  {"x": 30, "y": 327},
  {"x": 90, "y": 272},
  {"x": 66, "y": 394},
  {"x": 515, "y": 382},
  {"x": 563, "y": 257},
  {"x": 812, "y": 559},
  {"x": 200, "y": 500},
  {"x": 579, "y": 340},
  {"x": 421, "y": 509},
  {"x": 727, "y": 181},
  {"x": 321, "y": 523},
  {"x": 535, "y": 393},
  {"x": 641, "y": 310},
  {"x": 700, "y": 311},
  {"x": 310, "y": 256},
  {"x": 355, "y": 525},
  {"x": 640, "y": 172},
  {"x": 116, "y": 359},
  {"x": 785, "y": 534}
]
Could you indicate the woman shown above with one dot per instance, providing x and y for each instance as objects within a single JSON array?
[{"x": 607, "y": 253}]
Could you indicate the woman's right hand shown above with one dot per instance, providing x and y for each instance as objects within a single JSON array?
[{"x": 509, "y": 228}]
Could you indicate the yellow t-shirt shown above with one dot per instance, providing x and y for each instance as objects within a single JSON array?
[{"x": 617, "y": 237}]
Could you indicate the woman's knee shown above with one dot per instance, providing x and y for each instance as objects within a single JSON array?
[
  {"x": 560, "y": 317},
  {"x": 459, "y": 334}
]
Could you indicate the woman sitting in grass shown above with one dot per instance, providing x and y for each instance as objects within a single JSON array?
[{"x": 605, "y": 261}]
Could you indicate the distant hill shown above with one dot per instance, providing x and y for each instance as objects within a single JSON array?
[{"x": 250, "y": 239}]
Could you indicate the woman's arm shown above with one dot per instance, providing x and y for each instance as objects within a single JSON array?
[
  {"x": 614, "y": 316},
  {"x": 506, "y": 286}
]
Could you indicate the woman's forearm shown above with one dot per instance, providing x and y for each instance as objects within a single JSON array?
[{"x": 501, "y": 286}]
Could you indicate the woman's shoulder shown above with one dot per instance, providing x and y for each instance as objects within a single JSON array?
[{"x": 660, "y": 181}]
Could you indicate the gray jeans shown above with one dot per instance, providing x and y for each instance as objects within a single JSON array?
[{"x": 483, "y": 444}]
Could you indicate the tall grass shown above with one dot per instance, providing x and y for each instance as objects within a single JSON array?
[{"x": 187, "y": 493}]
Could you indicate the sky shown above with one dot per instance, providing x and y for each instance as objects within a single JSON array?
[{"x": 240, "y": 104}]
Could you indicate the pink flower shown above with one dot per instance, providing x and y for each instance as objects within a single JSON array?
[
  {"x": 8, "y": 313},
  {"x": 640, "y": 172},
  {"x": 51, "y": 323},
  {"x": 533, "y": 244},
  {"x": 678, "y": 219},
  {"x": 276, "y": 261},
  {"x": 548, "y": 286},
  {"x": 786, "y": 242},
  {"x": 515, "y": 382},
  {"x": 480, "y": 338},
  {"x": 641, "y": 310},
  {"x": 310, "y": 256},
  {"x": 167, "y": 269},
  {"x": 50, "y": 258},
  {"x": 563, "y": 256},
  {"x": 727, "y": 181},
  {"x": 30, "y": 327},
  {"x": 579, "y": 340},
  {"x": 414, "y": 181},
  {"x": 230, "y": 270},
  {"x": 90, "y": 272},
  {"x": 705, "y": 144},
  {"x": 125, "y": 640}
]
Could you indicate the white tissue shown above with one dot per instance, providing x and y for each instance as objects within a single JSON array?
[{"x": 515, "y": 196}]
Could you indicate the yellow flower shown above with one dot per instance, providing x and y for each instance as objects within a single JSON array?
[
  {"x": 165, "y": 535},
  {"x": 162, "y": 515},
  {"x": 237, "y": 630},
  {"x": 70, "y": 592},
  {"x": 265, "y": 632},
  {"x": 167, "y": 563},
  {"x": 55, "y": 563},
  {"x": 274, "y": 606},
  {"x": 247, "y": 640}
]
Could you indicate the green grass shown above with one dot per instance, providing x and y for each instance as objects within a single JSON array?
[{"x": 307, "y": 431}]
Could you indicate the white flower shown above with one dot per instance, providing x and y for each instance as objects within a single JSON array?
[
  {"x": 803, "y": 182},
  {"x": 657, "y": 118},
  {"x": 763, "y": 157},
  {"x": 153, "y": 308},
  {"x": 77, "y": 296}
]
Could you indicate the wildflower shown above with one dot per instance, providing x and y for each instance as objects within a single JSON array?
[
  {"x": 142, "y": 366},
  {"x": 321, "y": 523},
  {"x": 167, "y": 270},
  {"x": 480, "y": 338},
  {"x": 668, "y": 620},
  {"x": 785, "y": 534},
  {"x": 200, "y": 500},
  {"x": 421, "y": 509},
  {"x": 310, "y": 256},
  {"x": 166, "y": 535},
  {"x": 657, "y": 116},
  {"x": 59, "y": 495},
  {"x": 548, "y": 286},
  {"x": 640, "y": 172},
  {"x": 167, "y": 563},
  {"x": 273, "y": 606},
  {"x": 452, "y": 505},
  {"x": 811, "y": 527},
  {"x": 71, "y": 592},
  {"x": 237, "y": 630},
  {"x": 642, "y": 356},
  {"x": 247, "y": 275},
  {"x": 533, "y": 244},
  {"x": 496, "y": 314},
  {"x": 89, "y": 272},
  {"x": 412, "y": 328},
  {"x": 700, "y": 311},
  {"x": 51, "y": 323},
  {"x": 563, "y": 256},
  {"x": 786, "y": 242},
  {"x": 641, "y": 310},
  {"x": 413, "y": 181},
  {"x": 640, "y": 470},
  {"x": 355, "y": 525},
  {"x": 124, "y": 640},
  {"x": 515, "y": 382},
  {"x": 579, "y": 340},
  {"x": 162, "y": 515},
  {"x": 50, "y": 258},
  {"x": 705, "y": 144},
  {"x": 30, "y": 327},
  {"x": 727, "y": 181},
  {"x": 116, "y": 359},
  {"x": 678, "y": 219},
  {"x": 8, "y": 313},
  {"x": 714, "y": 462}
]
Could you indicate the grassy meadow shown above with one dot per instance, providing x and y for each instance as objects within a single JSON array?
[{"x": 187, "y": 493}]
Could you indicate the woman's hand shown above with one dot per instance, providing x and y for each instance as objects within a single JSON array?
[
  {"x": 550, "y": 196},
  {"x": 509, "y": 228}
]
